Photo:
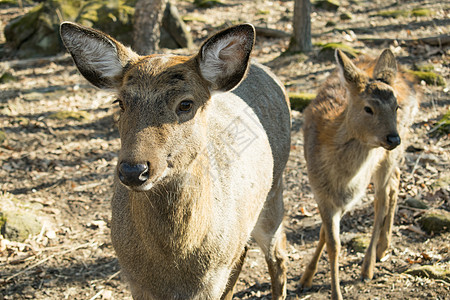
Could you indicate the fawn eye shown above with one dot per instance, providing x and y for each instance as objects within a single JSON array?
[
  {"x": 185, "y": 106},
  {"x": 368, "y": 110},
  {"x": 120, "y": 104}
]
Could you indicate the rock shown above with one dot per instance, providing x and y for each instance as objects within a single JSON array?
[
  {"x": 18, "y": 226},
  {"x": 360, "y": 243},
  {"x": 173, "y": 27},
  {"x": 437, "y": 221},
  {"x": 74, "y": 115},
  {"x": 299, "y": 101},
  {"x": 208, "y": 3},
  {"x": 412, "y": 202},
  {"x": 393, "y": 13},
  {"x": 330, "y": 24},
  {"x": 429, "y": 271}
]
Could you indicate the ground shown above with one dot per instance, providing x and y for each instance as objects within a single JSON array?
[{"x": 61, "y": 169}]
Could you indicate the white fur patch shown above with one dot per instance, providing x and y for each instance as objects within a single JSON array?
[{"x": 221, "y": 57}]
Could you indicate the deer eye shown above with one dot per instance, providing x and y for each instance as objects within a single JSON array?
[
  {"x": 368, "y": 110},
  {"x": 185, "y": 106},
  {"x": 122, "y": 108}
]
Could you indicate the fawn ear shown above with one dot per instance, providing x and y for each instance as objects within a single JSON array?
[
  {"x": 351, "y": 74},
  {"x": 100, "y": 58},
  {"x": 224, "y": 58},
  {"x": 386, "y": 67}
]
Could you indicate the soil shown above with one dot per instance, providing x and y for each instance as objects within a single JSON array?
[{"x": 62, "y": 170}]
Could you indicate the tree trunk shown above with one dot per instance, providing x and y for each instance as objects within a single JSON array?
[
  {"x": 147, "y": 21},
  {"x": 301, "y": 41}
]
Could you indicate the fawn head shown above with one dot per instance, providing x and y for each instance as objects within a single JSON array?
[
  {"x": 162, "y": 98},
  {"x": 372, "y": 105}
]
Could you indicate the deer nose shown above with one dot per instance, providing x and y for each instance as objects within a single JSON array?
[
  {"x": 393, "y": 140},
  {"x": 133, "y": 174}
]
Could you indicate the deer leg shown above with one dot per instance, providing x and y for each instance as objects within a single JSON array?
[
  {"x": 311, "y": 269},
  {"x": 386, "y": 232},
  {"x": 270, "y": 236},
  {"x": 382, "y": 201},
  {"x": 228, "y": 293}
]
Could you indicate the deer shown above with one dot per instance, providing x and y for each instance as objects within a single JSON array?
[
  {"x": 352, "y": 132},
  {"x": 204, "y": 142}
]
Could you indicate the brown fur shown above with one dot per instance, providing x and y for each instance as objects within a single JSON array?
[
  {"x": 213, "y": 173},
  {"x": 347, "y": 129}
]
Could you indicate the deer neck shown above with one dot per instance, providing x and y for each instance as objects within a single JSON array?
[{"x": 175, "y": 214}]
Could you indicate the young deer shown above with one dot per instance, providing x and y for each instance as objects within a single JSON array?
[
  {"x": 352, "y": 130},
  {"x": 203, "y": 148}
]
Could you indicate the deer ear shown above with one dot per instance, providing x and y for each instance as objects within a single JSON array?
[
  {"x": 352, "y": 76},
  {"x": 386, "y": 67},
  {"x": 224, "y": 58},
  {"x": 98, "y": 57}
]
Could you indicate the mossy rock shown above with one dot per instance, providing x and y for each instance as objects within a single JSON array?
[
  {"x": 73, "y": 115},
  {"x": 330, "y": 24},
  {"x": 18, "y": 226},
  {"x": 328, "y": 50},
  {"x": 360, "y": 243},
  {"x": 415, "y": 203},
  {"x": 421, "y": 12},
  {"x": 7, "y": 77},
  {"x": 2, "y": 136},
  {"x": 429, "y": 271},
  {"x": 423, "y": 67},
  {"x": 262, "y": 12},
  {"x": 208, "y": 3},
  {"x": 435, "y": 222},
  {"x": 329, "y": 5},
  {"x": 37, "y": 32},
  {"x": 346, "y": 16},
  {"x": 299, "y": 101},
  {"x": 430, "y": 78},
  {"x": 393, "y": 13}
]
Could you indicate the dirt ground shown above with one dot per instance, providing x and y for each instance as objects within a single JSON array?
[{"x": 62, "y": 170}]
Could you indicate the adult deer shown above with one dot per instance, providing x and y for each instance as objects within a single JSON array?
[
  {"x": 352, "y": 132},
  {"x": 204, "y": 141}
]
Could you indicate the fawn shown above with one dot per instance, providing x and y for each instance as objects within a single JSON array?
[
  {"x": 204, "y": 142},
  {"x": 352, "y": 132}
]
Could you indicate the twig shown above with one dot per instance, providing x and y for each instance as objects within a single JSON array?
[
  {"x": 413, "y": 208},
  {"x": 112, "y": 276},
  {"x": 48, "y": 258},
  {"x": 97, "y": 295}
]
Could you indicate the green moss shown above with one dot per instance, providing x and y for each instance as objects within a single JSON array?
[
  {"x": 430, "y": 78},
  {"x": 360, "y": 243},
  {"x": 443, "y": 126},
  {"x": 194, "y": 19},
  {"x": 2, "y": 136},
  {"x": 433, "y": 272},
  {"x": 393, "y": 13},
  {"x": 412, "y": 202},
  {"x": 424, "y": 67},
  {"x": 328, "y": 50},
  {"x": 421, "y": 12},
  {"x": 74, "y": 115},
  {"x": 299, "y": 101},
  {"x": 262, "y": 12}
]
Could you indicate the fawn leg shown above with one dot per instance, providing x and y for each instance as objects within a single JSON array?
[
  {"x": 333, "y": 242},
  {"x": 270, "y": 236},
  {"x": 311, "y": 269},
  {"x": 386, "y": 232},
  {"x": 382, "y": 181},
  {"x": 228, "y": 293}
]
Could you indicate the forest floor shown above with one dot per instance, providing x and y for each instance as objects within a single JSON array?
[{"x": 61, "y": 170}]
